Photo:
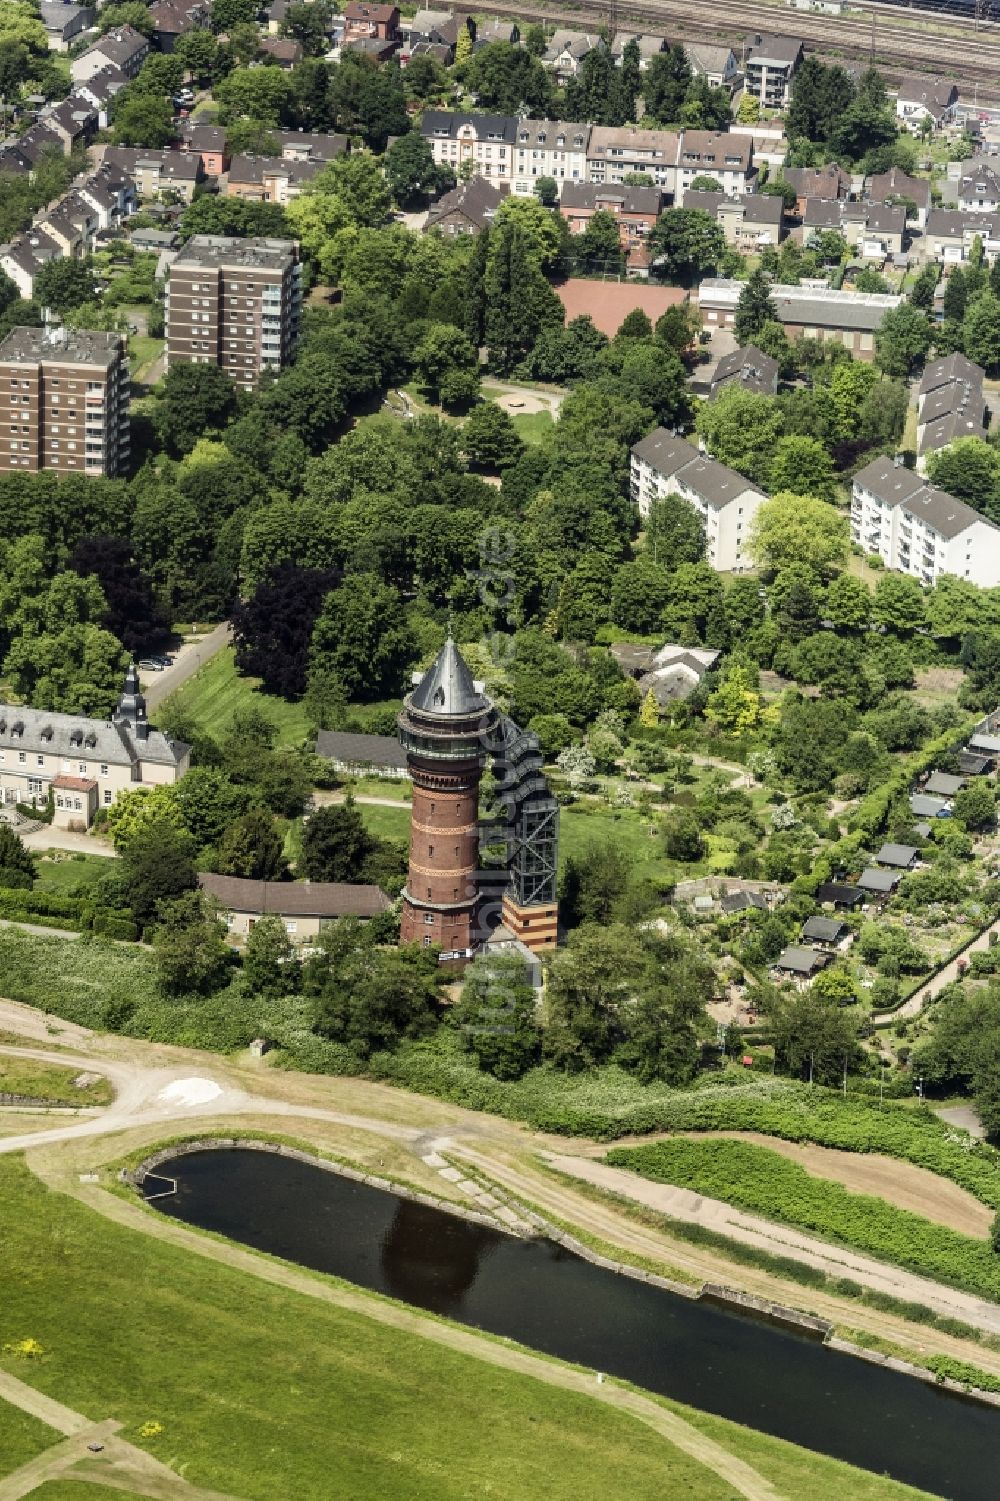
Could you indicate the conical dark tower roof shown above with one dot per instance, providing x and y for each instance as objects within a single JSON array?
[{"x": 447, "y": 689}]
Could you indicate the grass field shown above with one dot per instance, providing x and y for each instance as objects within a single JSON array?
[
  {"x": 21, "y": 1438},
  {"x": 532, "y": 426},
  {"x": 70, "y": 875},
  {"x": 82, "y": 1490},
  {"x": 265, "y": 1393},
  {"x": 211, "y": 698},
  {"x": 49, "y": 1081}
]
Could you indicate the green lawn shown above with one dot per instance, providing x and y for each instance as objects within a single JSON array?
[
  {"x": 342, "y": 1396},
  {"x": 217, "y": 691},
  {"x": 49, "y": 1081},
  {"x": 82, "y": 1490},
  {"x": 532, "y": 426},
  {"x": 70, "y": 875},
  {"x": 387, "y": 823},
  {"x": 21, "y": 1438},
  {"x": 143, "y": 349}
]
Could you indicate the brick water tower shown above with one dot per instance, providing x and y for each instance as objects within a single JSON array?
[{"x": 447, "y": 728}]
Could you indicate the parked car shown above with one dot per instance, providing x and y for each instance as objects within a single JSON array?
[{"x": 156, "y": 663}]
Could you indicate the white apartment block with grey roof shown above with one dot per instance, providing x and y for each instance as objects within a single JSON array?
[
  {"x": 549, "y": 148},
  {"x": 770, "y": 66},
  {"x": 920, "y": 530},
  {"x": 725, "y": 501}
]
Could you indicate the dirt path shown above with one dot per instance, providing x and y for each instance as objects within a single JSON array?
[
  {"x": 779, "y": 1240},
  {"x": 115, "y": 1463},
  {"x": 742, "y": 1477},
  {"x": 932, "y": 987},
  {"x": 900, "y": 1183}
]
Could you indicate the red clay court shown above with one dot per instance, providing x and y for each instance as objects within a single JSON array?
[{"x": 610, "y": 302}]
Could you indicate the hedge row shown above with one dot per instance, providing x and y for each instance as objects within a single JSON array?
[
  {"x": 758, "y": 1179},
  {"x": 50, "y": 909}
]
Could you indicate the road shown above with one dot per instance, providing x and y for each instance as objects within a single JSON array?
[{"x": 158, "y": 686}]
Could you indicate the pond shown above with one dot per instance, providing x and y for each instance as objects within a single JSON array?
[{"x": 545, "y": 1297}]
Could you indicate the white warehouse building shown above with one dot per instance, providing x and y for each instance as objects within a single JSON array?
[
  {"x": 920, "y": 530},
  {"x": 725, "y": 501}
]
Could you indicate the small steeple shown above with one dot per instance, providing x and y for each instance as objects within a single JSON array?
[
  {"x": 447, "y": 687},
  {"x": 131, "y": 708}
]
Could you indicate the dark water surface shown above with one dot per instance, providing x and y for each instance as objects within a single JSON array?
[{"x": 543, "y": 1296}]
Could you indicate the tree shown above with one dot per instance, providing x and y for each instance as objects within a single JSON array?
[
  {"x": 269, "y": 965},
  {"x": 850, "y": 384},
  {"x": 497, "y": 1016},
  {"x": 902, "y": 340},
  {"x": 975, "y": 805},
  {"x": 128, "y": 13},
  {"x": 519, "y": 302},
  {"x": 814, "y": 1039},
  {"x": 490, "y": 438},
  {"x": 252, "y": 847},
  {"x": 59, "y": 656},
  {"x": 369, "y": 998},
  {"x": 193, "y": 400},
  {"x": 251, "y": 137},
  {"x": 802, "y": 464},
  {"x": 799, "y": 529},
  {"x": 735, "y": 705},
  {"x": 754, "y": 308},
  {"x": 411, "y": 171},
  {"x": 132, "y": 612},
  {"x": 682, "y": 837},
  {"x": 981, "y": 331},
  {"x": 509, "y": 81},
  {"x": 447, "y": 365},
  {"x": 741, "y": 429},
  {"x": 836, "y": 986},
  {"x": 144, "y": 121},
  {"x": 226, "y": 14},
  {"x": 361, "y": 639},
  {"x": 819, "y": 96},
  {"x": 655, "y": 377},
  {"x": 272, "y": 630},
  {"x": 199, "y": 55},
  {"x": 848, "y": 603},
  {"x": 956, "y": 295},
  {"x": 970, "y": 469},
  {"x": 335, "y": 843},
  {"x": 665, "y": 85},
  {"x": 64, "y": 284},
  {"x": 157, "y": 867},
  {"x": 639, "y": 594},
  {"x": 674, "y": 532},
  {"x": 684, "y": 244},
  {"x": 260, "y": 93},
  {"x": 17, "y": 864},
  {"x": 189, "y": 945},
  {"x": 599, "y": 248},
  {"x": 309, "y": 24}
]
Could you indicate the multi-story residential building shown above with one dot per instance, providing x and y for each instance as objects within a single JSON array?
[
  {"x": 920, "y": 530},
  {"x": 616, "y": 150},
  {"x": 311, "y": 146},
  {"x": 83, "y": 763},
  {"x": 875, "y": 230},
  {"x": 64, "y": 402},
  {"x": 749, "y": 222},
  {"x": 269, "y": 179},
  {"x": 208, "y": 142},
  {"x": 748, "y": 369},
  {"x": 566, "y": 51},
  {"x": 469, "y": 207},
  {"x": 635, "y": 210},
  {"x": 487, "y": 142},
  {"x": 549, "y": 148},
  {"x": 950, "y": 235},
  {"x": 720, "y": 154},
  {"x": 923, "y": 96},
  {"x": 155, "y": 172},
  {"x": 849, "y": 318},
  {"x": 725, "y": 501},
  {"x": 649, "y": 47},
  {"x": 979, "y": 188},
  {"x": 717, "y": 65},
  {"x": 897, "y": 186},
  {"x": 123, "y": 48},
  {"x": 829, "y": 182},
  {"x": 771, "y": 62},
  {"x": 64, "y": 22},
  {"x": 234, "y": 303},
  {"x": 950, "y": 404},
  {"x": 363, "y": 20}
]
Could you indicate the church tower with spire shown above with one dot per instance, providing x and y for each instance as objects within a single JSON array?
[{"x": 447, "y": 728}]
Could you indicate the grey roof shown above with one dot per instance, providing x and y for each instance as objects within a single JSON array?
[
  {"x": 862, "y": 311},
  {"x": 799, "y": 960},
  {"x": 758, "y": 208},
  {"x": 295, "y": 898},
  {"x": 199, "y": 137},
  {"x": 945, "y": 785},
  {"x": 839, "y": 892},
  {"x": 627, "y": 200},
  {"x": 322, "y": 145},
  {"x": 443, "y": 122},
  {"x": 738, "y": 901},
  {"x": 664, "y": 452},
  {"x": 75, "y": 346},
  {"x": 119, "y": 46},
  {"x": 932, "y": 91},
  {"x": 370, "y": 750},
  {"x": 952, "y": 223},
  {"x": 892, "y": 483},
  {"x": 823, "y": 929},
  {"x": 879, "y": 880},
  {"x": 898, "y": 855},
  {"x": 242, "y": 253},
  {"x": 927, "y": 807},
  {"x": 818, "y": 182},
  {"x": 898, "y": 184},
  {"x": 533, "y": 133},
  {"x": 75, "y": 737},
  {"x": 716, "y": 485},
  {"x": 823, "y": 213},
  {"x": 967, "y": 421},
  {"x": 971, "y": 765},
  {"x": 754, "y": 371},
  {"x": 476, "y": 200},
  {"x": 943, "y": 513},
  {"x": 922, "y": 830},
  {"x": 946, "y": 371},
  {"x": 954, "y": 396},
  {"x": 447, "y": 688},
  {"x": 774, "y": 49},
  {"x": 707, "y": 57},
  {"x": 255, "y": 168},
  {"x": 988, "y": 743},
  {"x": 576, "y": 43}
]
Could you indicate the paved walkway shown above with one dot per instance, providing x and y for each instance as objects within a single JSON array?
[
  {"x": 48, "y": 838},
  {"x": 933, "y": 987},
  {"x": 191, "y": 656}
]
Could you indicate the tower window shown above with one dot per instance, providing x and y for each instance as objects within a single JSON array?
[
  {"x": 428, "y": 891},
  {"x": 430, "y": 849},
  {"x": 428, "y": 918}
]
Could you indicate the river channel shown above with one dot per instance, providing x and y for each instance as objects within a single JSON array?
[{"x": 545, "y": 1297}]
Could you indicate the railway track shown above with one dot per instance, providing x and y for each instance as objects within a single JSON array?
[{"x": 971, "y": 58}]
